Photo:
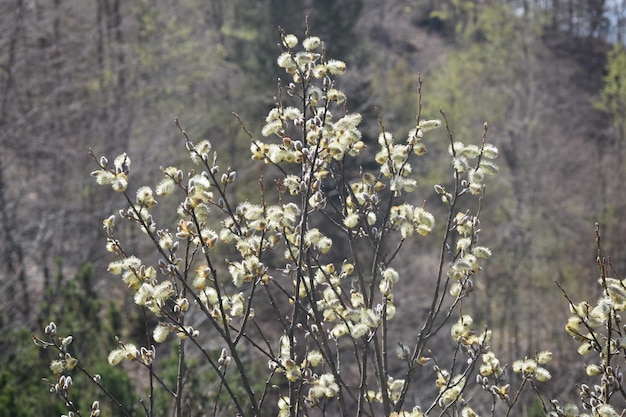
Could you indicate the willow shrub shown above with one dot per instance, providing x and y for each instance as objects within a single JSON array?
[{"x": 295, "y": 322}]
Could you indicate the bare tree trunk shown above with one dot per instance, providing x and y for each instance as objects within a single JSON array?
[
  {"x": 10, "y": 65},
  {"x": 13, "y": 276},
  {"x": 17, "y": 304}
]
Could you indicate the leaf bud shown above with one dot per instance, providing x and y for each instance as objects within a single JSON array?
[
  {"x": 38, "y": 342},
  {"x": 426, "y": 125},
  {"x": 183, "y": 303},
  {"x": 65, "y": 382},
  {"x": 593, "y": 370},
  {"x": 51, "y": 329},
  {"x": 290, "y": 41},
  {"x": 311, "y": 43}
]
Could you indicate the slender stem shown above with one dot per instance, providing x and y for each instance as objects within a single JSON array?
[{"x": 179, "y": 378}]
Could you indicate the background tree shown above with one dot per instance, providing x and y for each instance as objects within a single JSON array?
[
  {"x": 70, "y": 302},
  {"x": 500, "y": 73},
  {"x": 612, "y": 101}
]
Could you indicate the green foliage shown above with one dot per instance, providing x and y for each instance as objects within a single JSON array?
[
  {"x": 484, "y": 69},
  {"x": 83, "y": 310},
  {"x": 454, "y": 15},
  {"x": 498, "y": 71},
  {"x": 73, "y": 303},
  {"x": 22, "y": 393},
  {"x": 613, "y": 95}
]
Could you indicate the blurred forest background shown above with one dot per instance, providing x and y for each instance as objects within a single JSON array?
[{"x": 113, "y": 75}]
